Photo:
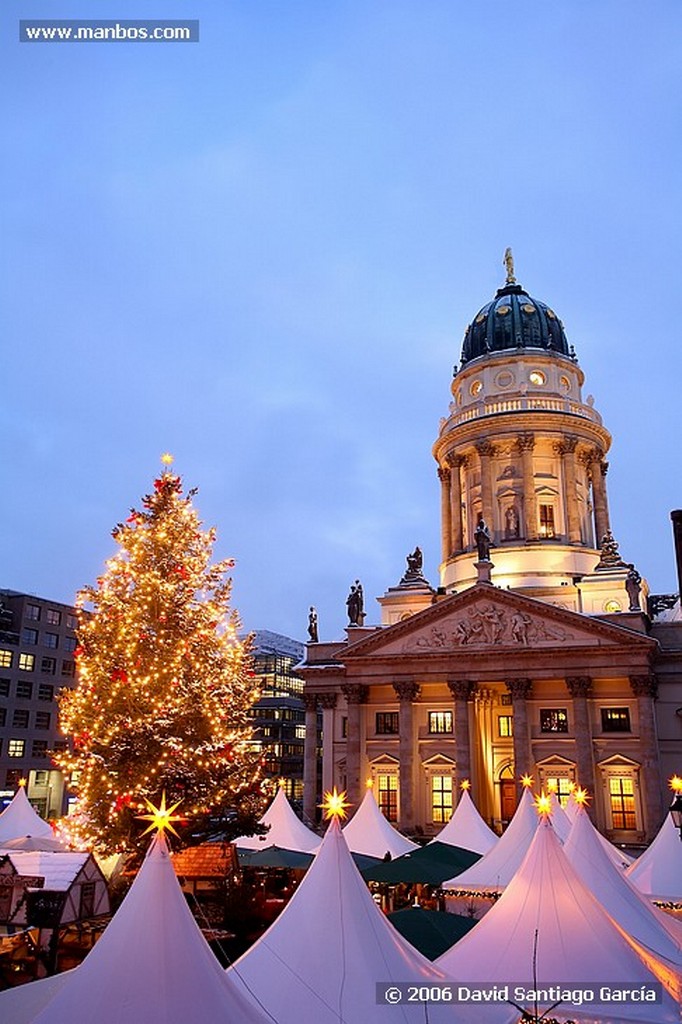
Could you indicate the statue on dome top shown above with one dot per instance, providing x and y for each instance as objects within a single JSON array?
[{"x": 509, "y": 264}]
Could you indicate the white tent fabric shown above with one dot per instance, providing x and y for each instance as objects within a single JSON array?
[
  {"x": 548, "y": 915},
  {"x": 32, "y": 844},
  {"x": 497, "y": 868},
  {"x": 369, "y": 832},
  {"x": 285, "y": 830},
  {"x": 658, "y": 872},
  {"x": 637, "y": 917},
  {"x": 467, "y": 828},
  {"x": 19, "y": 819},
  {"x": 560, "y": 820},
  {"x": 571, "y": 807},
  {"x": 152, "y": 964},
  {"x": 321, "y": 959}
]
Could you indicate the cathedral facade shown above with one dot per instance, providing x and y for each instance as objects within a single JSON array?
[{"x": 535, "y": 654}]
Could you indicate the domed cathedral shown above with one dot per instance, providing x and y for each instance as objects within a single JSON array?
[{"x": 534, "y": 654}]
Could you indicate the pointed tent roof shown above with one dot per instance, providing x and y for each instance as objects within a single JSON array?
[
  {"x": 152, "y": 964},
  {"x": 286, "y": 830},
  {"x": 658, "y": 872},
  {"x": 325, "y": 953},
  {"x": 19, "y": 819},
  {"x": 467, "y": 828},
  {"x": 369, "y": 832},
  {"x": 560, "y": 820},
  {"x": 577, "y": 941},
  {"x": 497, "y": 868}
]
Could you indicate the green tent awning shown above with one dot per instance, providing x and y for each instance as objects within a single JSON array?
[
  {"x": 430, "y": 865},
  {"x": 431, "y": 931}
]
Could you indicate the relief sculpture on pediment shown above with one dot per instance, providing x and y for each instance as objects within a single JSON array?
[{"x": 487, "y": 624}]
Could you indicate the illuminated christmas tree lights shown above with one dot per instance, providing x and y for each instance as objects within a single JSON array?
[{"x": 165, "y": 685}]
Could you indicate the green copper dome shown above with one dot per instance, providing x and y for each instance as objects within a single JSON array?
[{"x": 514, "y": 321}]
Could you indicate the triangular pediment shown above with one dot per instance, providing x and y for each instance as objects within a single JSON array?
[{"x": 487, "y": 618}]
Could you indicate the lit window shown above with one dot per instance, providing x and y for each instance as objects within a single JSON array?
[
  {"x": 622, "y": 797},
  {"x": 565, "y": 384},
  {"x": 505, "y": 725},
  {"x": 20, "y": 719},
  {"x": 612, "y": 606},
  {"x": 547, "y": 521},
  {"x": 32, "y": 612},
  {"x": 41, "y": 778},
  {"x": 387, "y": 723},
  {"x": 5, "y": 658},
  {"x": 440, "y": 721},
  {"x": 27, "y": 662},
  {"x": 476, "y": 388},
  {"x": 537, "y": 377},
  {"x": 388, "y": 796},
  {"x": 561, "y": 785},
  {"x": 29, "y": 637},
  {"x": 53, "y": 617},
  {"x": 51, "y": 640},
  {"x": 15, "y": 748},
  {"x": 441, "y": 799},
  {"x": 553, "y": 720},
  {"x": 615, "y": 719}
]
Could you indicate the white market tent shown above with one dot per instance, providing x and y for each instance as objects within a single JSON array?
[
  {"x": 658, "y": 872},
  {"x": 368, "y": 832},
  {"x": 497, "y": 868},
  {"x": 285, "y": 830},
  {"x": 19, "y": 819},
  {"x": 467, "y": 828},
  {"x": 547, "y": 915},
  {"x": 637, "y": 917},
  {"x": 560, "y": 820},
  {"x": 322, "y": 958},
  {"x": 152, "y": 964}
]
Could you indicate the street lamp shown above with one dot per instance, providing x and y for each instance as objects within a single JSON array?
[{"x": 675, "y": 811}]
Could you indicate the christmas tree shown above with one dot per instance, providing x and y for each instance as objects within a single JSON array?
[{"x": 162, "y": 706}]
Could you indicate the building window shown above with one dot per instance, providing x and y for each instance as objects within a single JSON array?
[
  {"x": 561, "y": 785},
  {"x": 15, "y": 748},
  {"x": 87, "y": 900},
  {"x": 60, "y": 745},
  {"x": 505, "y": 700},
  {"x": 615, "y": 719},
  {"x": 553, "y": 720},
  {"x": 4, "y": 687},
  {"x": 53, "y": 617},
  {"x": 51, "y": 640},
  {"x": 29, "y": 637},
  {"x": 24, "y": 690},
  {"x": 32, "y": 612},
  {"x": 68, "y": 668},
  {"x": 622, "y": 797},
  {"x": 20, "y": 719},
  {"x": 43, "y": 719},
  {"x": 41, "y": 778},
  {"x": 72, "y": 621},
  {"x": 439, "y": 722},
  {"x": 388, "y": 796},
  {"x": 505, "y": 726},
  {"x": 3, "y": 716},
  {"x": 387, "y": 723},
  {"x": 441, "y": 799},
  {"x": 5, "y": 658},
  {"x": 48, "y": 666},
  {"x": 45, "y": 692},
  {"x": 70, "y": 643},
  {"x": 547, "y": 521},
  {"x": 39, "y": 748},
  {"x": 27, "y": 662}
]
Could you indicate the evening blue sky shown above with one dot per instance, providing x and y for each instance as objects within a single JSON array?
[{"x": 260, "y": 252}]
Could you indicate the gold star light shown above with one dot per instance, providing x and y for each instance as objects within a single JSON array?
[
  {"x": 581, "y": 797},
  {"x": 160, "y": 817},
  {"x": 543, "y": 804},
  {"x": 167, "y": 459},
  {"x": 465, "y": 784},
  {"x": 334, "y": 804},
  {"x": 526, "y": 781},
  {"x": 676, "y": 784}
]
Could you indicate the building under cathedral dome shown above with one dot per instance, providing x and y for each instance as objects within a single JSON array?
[{"x": 534, "y": 654}]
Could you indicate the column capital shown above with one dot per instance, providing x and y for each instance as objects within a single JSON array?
[
  {"x": 485, "y": 449},
  {"x": 310, "y": 701},
  {"x": 327, "y": 701},
  {"x": 443, "y": 474},
  {"x": 455, "y": 461},
  {"x": 407, "y": 690},
  {"x": 355, "y": 693},
  {"x": 462, "y": 689},
  {"x": 567, "y": 445},
  {"x": 644, "y": 686},
  {"x": 520, "y": 689},
  {"x": 579, "y": 686},
  {"x": 525, "y": 442}
]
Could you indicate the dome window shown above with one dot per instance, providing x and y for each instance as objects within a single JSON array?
[
  {"x": 528, "y": 308},
  {"x": 476, "y": 388},
  {"x": 504, "y": 379},
  {"x": 537, "y": 377},
  {"x": 565, "y": 384},
  {"x": 503, "y": 310}
]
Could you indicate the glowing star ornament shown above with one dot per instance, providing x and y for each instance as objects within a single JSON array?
[
  {"x": 543, "y": 805},
  {"x": 526, "y": 781},
  {"x": 369, "y": 783},
  {"x": 160, "y": 817},
  {"x": 581, "y": 796},
  {"x": 464, "y": 785},
  {"x": 167, "y": 459},
  {"x": 676, "y": 784},
  {"x": 334, "y": 804}
]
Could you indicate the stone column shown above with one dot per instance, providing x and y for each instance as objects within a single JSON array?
[
  {"x": 457, "y": 462},
  {"x": 486, "y": 450},
  {"x": 310, "y": 757},
  {"x": 462, "y": 691},
  {"x": 356, "y": 696},
  {"x": 566, "y": 449},
  {"x": 645, "y": 689},
  {"x": 445, "y": 514},
  {"x": 407, "y": 692},
  {"x": 526, "y": 443},
  {"x": 521, "y": 690},
  {"x": 598, "y": 468},
  {"x": 327, "y": 703},
  {"x": 580, "y": 689}
]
